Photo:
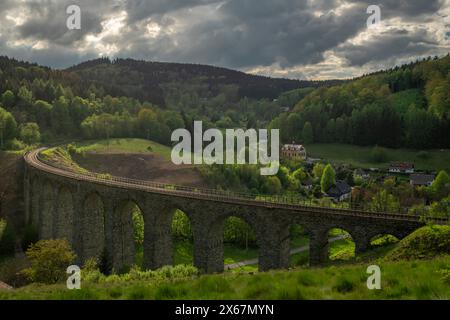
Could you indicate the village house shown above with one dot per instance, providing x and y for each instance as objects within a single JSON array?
[
  {"x": 419, "y": 179},
  {"x": 401, "y": 167},
  {"x": 340, "y": 191},
  {"x": 293, "y": 151},
  {"x": 362, "y": 174}
]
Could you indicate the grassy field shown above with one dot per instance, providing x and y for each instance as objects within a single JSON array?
[
  {"x": 123, "y": 146},
  {"x": 361, "y": 156},
  {"x": 399, "y": 280}
]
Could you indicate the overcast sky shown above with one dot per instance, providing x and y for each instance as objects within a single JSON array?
[{"x": 304, "y": 39}]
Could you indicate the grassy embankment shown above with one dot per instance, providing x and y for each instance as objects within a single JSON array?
[
  {"x": 123, "y": 146},
  {"x": 418, "y": 267},
  {"x": 400, "y": 280}
]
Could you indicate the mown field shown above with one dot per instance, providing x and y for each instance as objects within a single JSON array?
[
  {"x": 360, "y": 157},
  {"x": 123, "y": 146}
]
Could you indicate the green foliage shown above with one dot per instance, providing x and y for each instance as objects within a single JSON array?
[
  {"x": 138, "y": 226},
  {"x": 8, "y": 99},
  {"x": 400, "y": 280},
  {"x": 378, "y": 155},
  {"x": 441, "y": 185},
  {"x": 307, "y": 133},
  {"x": 238, "y": 232},
  {"x": 344, "y": 285},
  {"x": 181, "y": 226},
  {"x": 382, "y": 201},
  {"x": 328, "y": 178},
  {"x": 272, "y": 185},
  {"x": 29, "y": 133},
  {"x": 49, "y": 260},
  {"x": 8, "y": 127},
  {"x": 405, "y": 106},
  {"x": 424, "y": 243}
]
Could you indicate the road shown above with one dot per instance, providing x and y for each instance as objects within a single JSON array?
[{"x": 293, "y": 251}]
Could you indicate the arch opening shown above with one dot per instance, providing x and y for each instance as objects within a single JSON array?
[
  {"x": 128, "y": 241},
  {"x": 299, "y": 246},
  {"x": 182, "y": 239},
  {"x": 341, "y": 246},
  {"x": 383, "y": 241},
  {"x": 240, "y": 245}
]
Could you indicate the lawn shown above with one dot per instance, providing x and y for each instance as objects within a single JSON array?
[
  {"x": 361, "y": 156},
  {"x": 427, "y": 279},
  {"x": 123, "y": 146}
]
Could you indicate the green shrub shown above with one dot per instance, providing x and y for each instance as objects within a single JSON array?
[
  {"x": 49, "y": 261},
  {"x": 343, "y": 285},
  {"x": 379, "y": 155},
  {"x": 426, "y": 242}
]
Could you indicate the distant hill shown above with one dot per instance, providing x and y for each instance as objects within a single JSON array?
[{"x": 146, "y": 81}]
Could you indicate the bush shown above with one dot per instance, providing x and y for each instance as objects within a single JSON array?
[
  {"x": 343, "y": 285},
  {"x": 379, "y": 155},
  {"x": 15, "y": 145},
  {"x": 49, "y": 260},
  {"x": 426, "y": 242}
]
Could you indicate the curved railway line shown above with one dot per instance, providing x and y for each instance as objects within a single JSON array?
[{"x": 32, "y": 158}]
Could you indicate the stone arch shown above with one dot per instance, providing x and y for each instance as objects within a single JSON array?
[
  {"x": 382, "y": 239},
  {"x": 124, "y": 242},
  {"x": 64, "y": 215},
  {"x": 182, "y": 245},
  {"x": 93, "y": 227},
  {"x": 46, "y": 217},
  {"x": 210, "y": 242},
  {"x": 299, "y": 242},
  {"x": 337, "y": 235}
]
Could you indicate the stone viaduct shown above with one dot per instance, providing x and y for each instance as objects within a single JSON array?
[{"x": 94, "y": 214}]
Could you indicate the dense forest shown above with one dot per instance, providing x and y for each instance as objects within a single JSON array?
[{"x": 405, "y": 106}]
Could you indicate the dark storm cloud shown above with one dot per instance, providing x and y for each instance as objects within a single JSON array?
[
  {"x": 244, "y": 34},
  {"x": 253, "y": 33},
  {"x": 404, "y": 8},
  {"x": 142, "y": 9},
  {"x": 390, "y": 44},
  {"x": 47, "y": 20}
]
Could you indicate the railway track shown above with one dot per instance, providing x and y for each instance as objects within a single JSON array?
[{"x": 286, "y": 203}]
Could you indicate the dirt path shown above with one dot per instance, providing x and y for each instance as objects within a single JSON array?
[{"x": 293, "y": 251}]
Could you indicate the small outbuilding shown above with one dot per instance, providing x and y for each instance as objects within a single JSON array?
[{"x": 340, "y": 191}]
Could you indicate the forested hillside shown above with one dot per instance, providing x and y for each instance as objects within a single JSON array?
[
  {"x": 407, "y": 106},
  {"x": 156, "y": 81},
  {"x": 104, "y": 99}
]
